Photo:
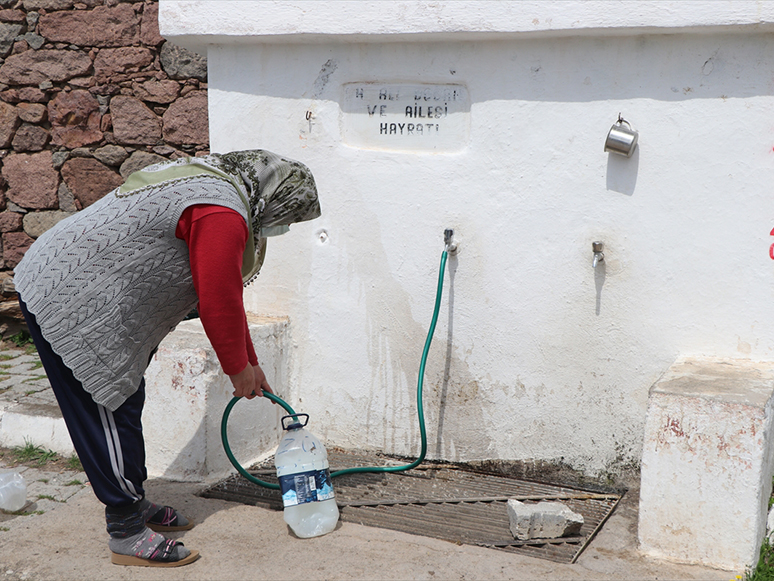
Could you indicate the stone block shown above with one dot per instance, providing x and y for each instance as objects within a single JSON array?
[
  {"x": 187, "y": 393},
  {"x": 31, "y": 94},
  {"x": 8, "y": 34},
  {"x": 72, "y": 108},
  {"x": 115, "y": 61},
  {"x": 137, "y": 161},
  {"x": 34, "y": 67},
  {"x": 105, "y": 26},
  {"x": 180, "y": 63},
  {"x": 186, "y": 121},
  {"x": 11, "y": 15},
  {"x": 47, "y": 4},
  {"x": 10, "y": 221},
  {"x": 75, "y": 119},
  {"x": 707, "y": 462},
  {"x": 15, "y": 244},
  {"x": 89, "y": 180},
  {"x": 157, "y": 91},
  {"x": 9, "y": 121},
  {"x": 30, "y": 138},
  {"x": 544, "y": 520},
  {"x": 34, "y": 41},
  {"x": 67, "y": 202},
  {"x": 36, "y": 223},
  {"x": 133, "y": 122},
  {"x": 111, "y": 155},
  {"x": 31, "y": 112},
  {"x": 32, "y": 180},
  {"x": 149, "y": 27}
]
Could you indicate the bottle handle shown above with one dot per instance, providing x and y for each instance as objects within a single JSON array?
[{"x": 297, "y": 421}]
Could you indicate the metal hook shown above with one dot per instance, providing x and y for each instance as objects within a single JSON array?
[{"x": 308, "y": 115}]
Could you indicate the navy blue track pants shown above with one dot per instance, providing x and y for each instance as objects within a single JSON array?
[{"x": 109, "y": 444}]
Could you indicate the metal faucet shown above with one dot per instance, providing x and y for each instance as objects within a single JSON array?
[
  {"x": 599, "y": 256},
  {"x": 449, "y": 242}
]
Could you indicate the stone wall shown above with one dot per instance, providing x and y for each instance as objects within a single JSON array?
[{"x": 89, "y": 93}]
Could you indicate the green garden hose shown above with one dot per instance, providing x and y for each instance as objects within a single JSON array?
[
  {"x": 420, "y": 410},
  {"x": 227, "y": 448}
]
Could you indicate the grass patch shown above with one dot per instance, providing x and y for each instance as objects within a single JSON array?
[
  {"x": 27, "y": 456},
  {"x": 32, "y": 453},
  {"x": 23, "y": 512},
  {"x": 764, "y": 570},
  {"x": 74, "y": 482},
  {"x": 35, "y": 378},
  {"x": 22, "y": 339},
  {"x": 36, "y": 365},
  {"x": 6, "y": 357},
  {"x": 46, "y": 497},
  {"x": 43, "y": 480},
  {"x": 4, "y": 529},
  {"x": 74, "y": 463}
]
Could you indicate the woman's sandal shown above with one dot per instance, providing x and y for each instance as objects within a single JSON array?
[
  {"x": 167, "y": 519},
  {"x": 159, "y": 558}
]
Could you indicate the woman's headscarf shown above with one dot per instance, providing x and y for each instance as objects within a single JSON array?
[
  {"x": 276, "y": 191},
  {"x": 280, "y": 191}
]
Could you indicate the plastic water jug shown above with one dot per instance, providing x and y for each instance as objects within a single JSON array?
[
  {"x": 13, "y": 491},
  {"x": 305, "y": 481}
]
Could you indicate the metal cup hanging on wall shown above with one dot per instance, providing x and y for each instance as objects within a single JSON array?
[{"x": 621, "y": 139}]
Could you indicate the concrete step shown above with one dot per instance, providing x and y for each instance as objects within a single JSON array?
[
  {"x": 707, "y": 460},
  {"x": 40, "y": 424},
  {"x": 186, "y": 394}
]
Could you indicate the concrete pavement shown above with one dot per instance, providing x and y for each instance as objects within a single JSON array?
[
  {"x": 61, "y": 533},
  {"x": 65, "y": 538}
]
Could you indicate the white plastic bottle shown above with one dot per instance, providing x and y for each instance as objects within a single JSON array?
[
  {"x": 305, "y": 481},
  {"x": 13, "y": 491}
]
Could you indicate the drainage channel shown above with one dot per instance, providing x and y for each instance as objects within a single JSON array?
[{"x": 440, "y": 501}]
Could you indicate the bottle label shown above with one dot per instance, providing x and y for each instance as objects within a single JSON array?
[{"x": 303, "y": 487}]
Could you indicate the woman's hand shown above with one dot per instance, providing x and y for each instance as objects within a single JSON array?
[
  {"x": 260, "y": 380},
  {"x": 250, "y": 382}
]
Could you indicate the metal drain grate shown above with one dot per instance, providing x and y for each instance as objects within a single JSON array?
[{"x": 439, "y": 501}]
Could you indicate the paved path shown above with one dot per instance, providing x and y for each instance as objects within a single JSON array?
[{"x": 22, "y": 378}]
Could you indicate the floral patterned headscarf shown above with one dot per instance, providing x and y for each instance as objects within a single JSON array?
[{"x": 281, "y": 191}]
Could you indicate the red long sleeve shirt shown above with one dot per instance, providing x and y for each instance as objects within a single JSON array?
[{"x": 216, "y": 238}]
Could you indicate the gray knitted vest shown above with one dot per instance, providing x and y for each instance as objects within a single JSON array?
[{"x": 109, "y": 283}]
